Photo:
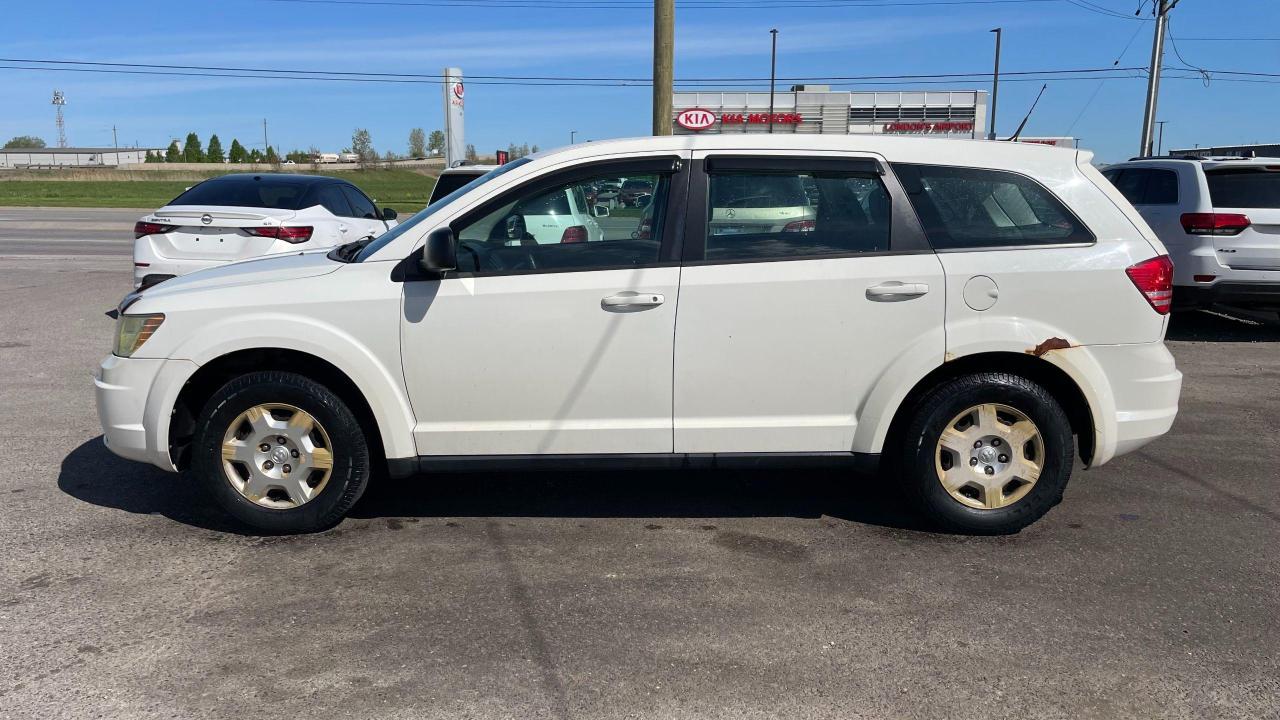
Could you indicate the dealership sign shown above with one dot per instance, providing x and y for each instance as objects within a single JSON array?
[
  {"x": 928, "y": 127},
  {"x": 699, "y": 119}
]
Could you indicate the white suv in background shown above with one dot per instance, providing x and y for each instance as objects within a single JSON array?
[
  {"x": 1220, "y": 220},
  {"x": 236, "y": 217},
  {"x": 961, "y": 315}
]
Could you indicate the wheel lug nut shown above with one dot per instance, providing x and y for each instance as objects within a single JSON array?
[
  {"x": 977, "y": 443},
  {"x": 293, "y": 453},
  {"x": 264, "y": 447},
  {"x": 268, "y": 465},
  {"x": 990, "y": 470},
  {"x": 995, "y": 442},
  {"x": 973, "y": 462},
  {"x": 280, "y": 439},
  {"x": 1004, "y": 458},
  {"x": 287, "y": 469}
]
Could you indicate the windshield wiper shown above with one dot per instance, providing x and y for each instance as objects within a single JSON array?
[{"x": 347, "y": 252}]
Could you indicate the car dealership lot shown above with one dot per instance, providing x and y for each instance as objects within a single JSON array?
[{"x": 1151, "y": 591}]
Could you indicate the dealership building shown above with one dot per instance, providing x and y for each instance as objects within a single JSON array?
[{"x": 816, "y": 109}]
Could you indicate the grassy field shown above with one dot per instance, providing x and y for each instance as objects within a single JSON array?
[{"x": 404, "y": 190}]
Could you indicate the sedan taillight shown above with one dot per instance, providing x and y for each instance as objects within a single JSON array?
[
  {"x": 574, "y": 234},
  {"x": 141, "y": 229},
  {"x": 1154, "y": 279},
  {"x": 1214, "y": 223},
  {"x": 800, "y": 226},
  {"x": 293, "y": 234}
]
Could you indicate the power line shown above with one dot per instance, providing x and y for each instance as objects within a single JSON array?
[
  {"x": 641, "y": 4},
  {"x": 1100, "y": 10}
]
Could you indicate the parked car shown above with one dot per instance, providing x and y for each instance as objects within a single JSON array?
[
  {"x": 236, "y": 217},
  {"x": 455, "y": 177},
  {"x": 1219, "y": 218},
  {"x": 635, "y": 193},
  {"x": 760, "y": 204},
  {"x": 962, "y": 315}
]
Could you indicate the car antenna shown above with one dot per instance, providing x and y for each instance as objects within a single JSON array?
[{"x": 1023, "y": 124}]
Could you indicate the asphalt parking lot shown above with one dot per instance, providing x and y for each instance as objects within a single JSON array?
[{"x": 1152, "y": 591}]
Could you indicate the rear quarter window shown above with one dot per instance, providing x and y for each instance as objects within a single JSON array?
[
  {"x": 1241, "y": 188},
  {"x": 971, "y": 208}
]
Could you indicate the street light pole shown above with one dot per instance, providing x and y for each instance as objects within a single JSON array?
[
  {"x": 572, "y": 133},
  {"x": 1153, "y": 77},
  {"x": 995, "y": 88},
  {"x": 773, "y": 73},
  {"x": 1160, "y": 141}
]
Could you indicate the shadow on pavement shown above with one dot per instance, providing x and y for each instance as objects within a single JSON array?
[
  {"x": 1223, "y": 324},
  {"x": 92, "y": 474}
]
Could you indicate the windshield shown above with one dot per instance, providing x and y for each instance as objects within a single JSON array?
[{"x": 434, "y": 207}]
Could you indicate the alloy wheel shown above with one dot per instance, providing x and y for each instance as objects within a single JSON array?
[{"x": 989, "y": 456}]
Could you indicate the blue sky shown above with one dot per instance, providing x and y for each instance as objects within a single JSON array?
[{"x": 604, "y": 42}]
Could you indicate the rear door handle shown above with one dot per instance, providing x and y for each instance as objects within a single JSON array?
[
  {"x": 893, "y": 291},
  {"x": 633, "y": 299}
]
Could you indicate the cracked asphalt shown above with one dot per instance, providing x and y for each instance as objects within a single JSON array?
[{"x": 1151, "y": 591}]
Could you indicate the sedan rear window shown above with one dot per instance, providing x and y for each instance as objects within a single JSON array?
[
  {"x": 257, "y": 191},
  {"x": 1241, "y": 188}
]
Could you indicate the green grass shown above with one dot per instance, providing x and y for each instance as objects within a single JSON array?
[{"x": 404, "y": 190}]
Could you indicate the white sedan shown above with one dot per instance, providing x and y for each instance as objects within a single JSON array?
[{"x": 237, "y": 217}]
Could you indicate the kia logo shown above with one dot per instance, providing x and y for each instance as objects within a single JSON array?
[
  {"x": 696, "y": 119},
  {"x": 457, "y": 90}
]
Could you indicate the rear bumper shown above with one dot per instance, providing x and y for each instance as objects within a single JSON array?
[
  {"x": 150, "y": 266},
  {"x": 1229, "y": 292},
  {"x": 1144, "y": 388}
]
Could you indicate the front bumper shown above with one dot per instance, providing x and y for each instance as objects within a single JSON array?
[{"x": 134, "y": 397}]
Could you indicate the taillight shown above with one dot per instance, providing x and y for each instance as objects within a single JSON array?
[
  {"x": 1154, "y": 279},
  {"x": 1214, "y": 223},
  {"x": 645, "y": 231},
  {"x": 800, "y": 226},
  {"x": 149, "y": 228},
  {"x": 574, "y": 234},
  {"x": 294, "y": 234}
]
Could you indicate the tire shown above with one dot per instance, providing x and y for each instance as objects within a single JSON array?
[
  {"x": 1003, "y": 501},
  {"x": 305, "y": 498}
]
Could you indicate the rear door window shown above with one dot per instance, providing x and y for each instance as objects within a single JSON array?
[
  {"x": 1131, "y": 182},
  {"x": 330, "y": 196},
  {"x": 1162, "y": 187},
  {"x": 1243, "y": 188},
  {"x": 259, "y": 191},
  {"x": 360, "y": 205},
  {"x": 970, "y": 208}
]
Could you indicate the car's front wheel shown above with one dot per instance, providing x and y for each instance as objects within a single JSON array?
[
  {"x": 988, "y": 453},
  {"x": 280, "y": 452}
]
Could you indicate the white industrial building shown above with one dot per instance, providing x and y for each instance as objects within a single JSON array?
[
  {"x": 72, "y": 157},
  {"x": 816, "y": 109}
]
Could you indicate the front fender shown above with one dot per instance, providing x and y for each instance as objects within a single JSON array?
[{"x": 381, "y": 385}]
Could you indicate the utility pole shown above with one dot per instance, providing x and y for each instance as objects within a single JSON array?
[
  {"x": 116, "y": 144},
  {"x": 995, "y": 88},
  {"x": 1162, "y": 8},
  {"x": 664, "y": 20},
  {"x": 572, "y": 133},
  {"x": 1160, "y": 142},
  {"x": 773, "y": 73},
  {"x": 265, "y": 145}
]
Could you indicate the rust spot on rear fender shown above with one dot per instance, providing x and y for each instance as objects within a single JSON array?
[{"x": 1054, "y": 343}]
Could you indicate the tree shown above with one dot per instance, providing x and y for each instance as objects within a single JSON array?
[
  {"x": 437, "y": 141},
  {"x": 534, "y": 149},
  {"x": 173, "y": 154},
  {"x": 255, "y": 155},
  {"x": 154, "y": 156},
  {"x": 472, "y": 156},
  {"x": 21, "y": 142},
  {"x": 417, "y": 143},
  {"x": 271, "y": 156},
  {"x": 191, "y": 151},
  {"x": 362, "y": 146},
  {"x": 214, "y": 153},
  {"x": 237, "y": 154}
]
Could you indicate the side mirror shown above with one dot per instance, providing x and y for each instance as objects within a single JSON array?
[
  {"x": 515, "y": 227},
  {"x": 440, "y": 252},
  {"x": 389, "y": 214},
  {"x": 601, "y": 211}
]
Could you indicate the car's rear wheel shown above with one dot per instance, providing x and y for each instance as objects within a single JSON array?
[
  {"x": 280, "y": 452},
  {"x": 987, "y": 454}
]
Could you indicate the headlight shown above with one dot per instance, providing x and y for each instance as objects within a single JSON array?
[{"x": 133, "y": 330}]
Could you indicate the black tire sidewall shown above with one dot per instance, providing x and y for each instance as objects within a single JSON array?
[
  {"x": 948, "y": 400},
  {"x": 351, "y": 466}
]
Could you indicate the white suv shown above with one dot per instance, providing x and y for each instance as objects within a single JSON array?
[
  {"x": 235, "y": 217},
  {"x": 969, "y": 312},
  {"x": 1220, "y": 220}
]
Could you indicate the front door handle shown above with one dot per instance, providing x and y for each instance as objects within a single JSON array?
[
  {"x": 894, "y": 291},
  {"x": 633, "y": 299}
]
